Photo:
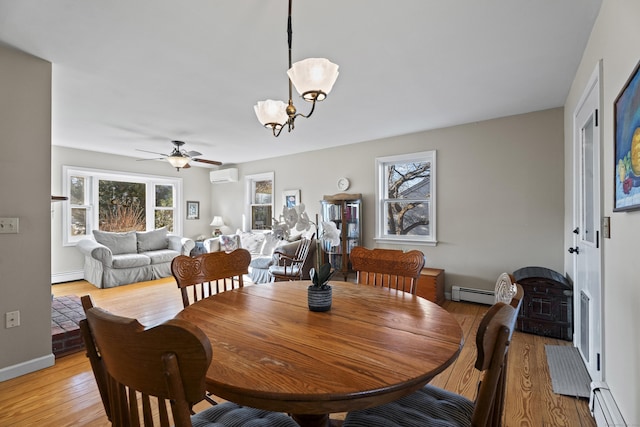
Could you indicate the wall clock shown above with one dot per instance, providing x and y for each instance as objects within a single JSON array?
[{"x": 343, "y": 184}]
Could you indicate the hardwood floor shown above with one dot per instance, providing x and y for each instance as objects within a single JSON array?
[{"x": 66, "y": 394}]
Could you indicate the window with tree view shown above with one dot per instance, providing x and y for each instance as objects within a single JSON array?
[
  {"x": 111, "y": 201},
  {"x": 406, "y": 198}
]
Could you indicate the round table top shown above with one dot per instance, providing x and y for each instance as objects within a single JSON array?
[{"x": 374, "y": 346}]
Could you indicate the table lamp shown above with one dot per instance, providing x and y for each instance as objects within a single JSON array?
[{"x": 217, "y": 223}]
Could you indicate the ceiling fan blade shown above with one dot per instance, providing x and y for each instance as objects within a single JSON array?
[
  {"x": 211, "y": 162},
  {"x": 152, "y": 152},
  {"x": 193, "y": 153},
  {"x": 155, "y": 158},
  {"x": 187, "y": 166}
]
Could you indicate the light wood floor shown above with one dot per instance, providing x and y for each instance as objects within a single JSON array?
[{"x": 66, "y": 394}]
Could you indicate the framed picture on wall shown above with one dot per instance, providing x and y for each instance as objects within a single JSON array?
[
  {"x": 193, "y": 210},
  {"x": 290, "y": 198},
  {"x": 627, "y": 144}
]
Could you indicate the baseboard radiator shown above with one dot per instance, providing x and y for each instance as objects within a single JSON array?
[
  {"x": 603, "y": 407},
  {"x": 459, "y": 293}
]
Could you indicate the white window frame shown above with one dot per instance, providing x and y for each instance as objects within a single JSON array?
[
  {"x": 381, "y": 196},
  {"x": 249, "y": 192},
  {"x": 94, "y": 175}
]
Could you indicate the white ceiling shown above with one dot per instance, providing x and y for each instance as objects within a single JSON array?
[{"x": 136, "y": 74}]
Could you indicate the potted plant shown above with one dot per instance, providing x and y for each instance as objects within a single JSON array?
[{"x": 319, "y": 293}]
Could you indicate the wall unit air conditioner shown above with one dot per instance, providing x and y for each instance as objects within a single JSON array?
[{"x": 223, "y": 175}]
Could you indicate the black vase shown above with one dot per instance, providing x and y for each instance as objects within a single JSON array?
[{"x": 319, "y": 299}]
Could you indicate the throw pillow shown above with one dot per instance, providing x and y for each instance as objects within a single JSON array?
[
  {"x": 270, "y": 243},
  {"x": 251, "y": 241},
  {"x": 229, "y": 242},
  {"x": 119, "y": 243},
  {"x": 152, "y": 240}
]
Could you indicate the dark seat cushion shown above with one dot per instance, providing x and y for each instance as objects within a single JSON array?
[
  {"x": 429, "y": 406},
  {"x": 230, "y": 414}
]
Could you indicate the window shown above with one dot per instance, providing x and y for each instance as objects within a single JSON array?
[
  {"x": 259, "y": 194},
  {"x": 114, "y": 201},
  {"x": 406, "y": 198}
]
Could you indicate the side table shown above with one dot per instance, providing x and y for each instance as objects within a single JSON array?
[{"x": 431, "y": 285}]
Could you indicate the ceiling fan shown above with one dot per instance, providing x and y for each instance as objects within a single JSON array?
[{"x": 180, "y": 158}]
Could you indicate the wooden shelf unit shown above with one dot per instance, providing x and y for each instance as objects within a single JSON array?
[{"x": 345, "y": 211}]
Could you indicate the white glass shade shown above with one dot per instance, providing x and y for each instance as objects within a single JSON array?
[
  {"x": 271, "y": 111},
  {"x": 178, "y": 161},
  {"x": 313, "y": 75},
  {"x": 217, "y": 222}
]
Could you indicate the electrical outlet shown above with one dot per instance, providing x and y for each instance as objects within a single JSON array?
[
  {"x": 8, "y": 225},
  {"x": 12, "y": 319}
]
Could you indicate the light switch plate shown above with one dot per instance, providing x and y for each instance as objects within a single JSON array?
[{"x": 9, "y": 225}]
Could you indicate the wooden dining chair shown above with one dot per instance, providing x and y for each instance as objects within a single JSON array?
[
  {"x": 434, "y": 406},
  {"x": 224, "y": 269},
  {"x": 291, "y": 267},
  {"x": 390, "y": 268},
  {"x": 169, "y": 362}
]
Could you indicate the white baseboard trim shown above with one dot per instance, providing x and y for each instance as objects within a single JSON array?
[
  {"x": 27, "y": 367},
  {"x": 68, "y": 276}
]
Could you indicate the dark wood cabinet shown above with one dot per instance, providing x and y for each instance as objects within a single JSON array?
[
  {"x": 547, "y": 307},
  {"x": 345, "y": 211}
]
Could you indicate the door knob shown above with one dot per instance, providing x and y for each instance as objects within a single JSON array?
[{"x": 576, "y": 250}]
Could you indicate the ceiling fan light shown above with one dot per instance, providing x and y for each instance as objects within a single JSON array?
[
  {"x": 313, "y": 77},
  {"x": 271, "y": 112},
  {"x": 178, "y": 161}
]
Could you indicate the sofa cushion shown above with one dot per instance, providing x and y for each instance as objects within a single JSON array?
[
  {"x": 161, "y": 256},
  {"x": 270, "y": 243},
  {"x": 130, "y": 260},
  {"x": 251, "y": 241},
  {"x": 263, "y": 262},
  {"x": 119, "y": 243},
  {"x": 229, "y": 242},
  {"x": 152, "y": 240}
]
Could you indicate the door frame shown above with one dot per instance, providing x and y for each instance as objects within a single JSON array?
[{"x": 593, "y": 86}]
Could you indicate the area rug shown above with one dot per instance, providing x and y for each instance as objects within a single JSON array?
[
  {"x": 66, "y": 313},
  {"x": 569, "y": 376}
]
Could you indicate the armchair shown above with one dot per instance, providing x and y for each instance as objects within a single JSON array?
[{"x": 296, "y": 266}]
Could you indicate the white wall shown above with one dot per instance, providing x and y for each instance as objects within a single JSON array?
[
  {"x": 25, "y": 266},
  {"x": 66, "y": 261},
  {"x": 500, "y": 192},
  {"x": 614, "y": 39}
]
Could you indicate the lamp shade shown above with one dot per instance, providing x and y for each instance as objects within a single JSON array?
[
  {"x": 271, "y": 112},
  {"x": 313, "y": 75},
  {"x": 217, "y": 222},
  {"x": 178, "y": 161}
]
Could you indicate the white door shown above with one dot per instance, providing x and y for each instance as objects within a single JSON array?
[{"x": 587, "y": 235}]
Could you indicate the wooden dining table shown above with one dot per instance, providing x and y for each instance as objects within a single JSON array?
[{"x": 270, "y": 351}]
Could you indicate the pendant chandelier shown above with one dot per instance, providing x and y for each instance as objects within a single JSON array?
[{"x": 313, "y": 79}]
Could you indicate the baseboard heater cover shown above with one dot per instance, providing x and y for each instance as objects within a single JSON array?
[
  {"x": 603, "y": 407},
  {"x": 481, "y": 296}
]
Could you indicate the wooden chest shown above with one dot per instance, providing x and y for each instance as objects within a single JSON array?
[
  {"x": 547, "y": 306},
  {"x": 431, "y": 285}
]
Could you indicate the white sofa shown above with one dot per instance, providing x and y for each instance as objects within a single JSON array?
[
  {"x": 114, "y": 259},
  {"x": 261, "y": 246}
]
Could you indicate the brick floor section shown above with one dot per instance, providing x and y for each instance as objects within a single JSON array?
[{"x": 66, "y": 313}]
